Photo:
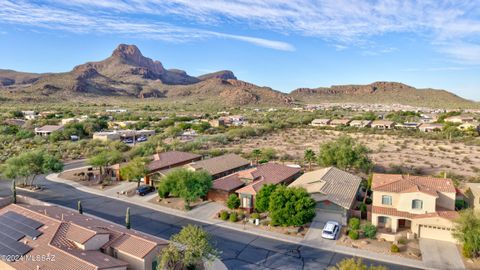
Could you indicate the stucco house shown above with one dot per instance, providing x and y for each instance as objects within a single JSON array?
[
  {"x": 427, "y": 127},
  {"x": 47, "y": 130},
  {"x": 220, "y": 166},
  {"x": 270, "y": 173},
  {"x": 333, "y": 190},
  {"x": 383, "y": 124},
  {"x": 340, "y": 122},
  {"x": 320, "y": 122},
  {"x": 460, "y": 119},
  {"x": 361, "y": 123},
  {"x": 414, "y": 206}
]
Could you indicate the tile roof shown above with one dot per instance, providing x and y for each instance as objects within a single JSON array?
[
  {"x": 220, "y": 164},
  {"x": 389, "y": 211},
  {"x": 171, "y": 158},
  {"x": 270, "y": 173},
  {"x": 382, "y": 123},
  {"x": 234, "y": 181},
  {"x": 64, "y": 228},
  {"x": 332, "y": 184},
  {"x": 398, "y": 183}
]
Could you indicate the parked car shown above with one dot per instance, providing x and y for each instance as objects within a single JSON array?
[
  {"x": 128, "y": 141},
  {"x": 142, "y": 139},
  {"x": 331, "y": 230},
  {"x": 144, "y": 190}
]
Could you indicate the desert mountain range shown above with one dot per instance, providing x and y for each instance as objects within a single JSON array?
[{"x": 127, "y": 73}]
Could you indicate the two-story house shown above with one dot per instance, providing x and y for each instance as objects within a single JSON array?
[{"x": 422, "y": 207}]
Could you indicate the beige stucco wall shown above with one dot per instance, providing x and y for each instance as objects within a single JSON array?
[
  {"x": 135, "y": 263},
  {"x": 403, "y": 201},
  {"x": 446, "y": 200},
  {"x": 96, "y": 242}
]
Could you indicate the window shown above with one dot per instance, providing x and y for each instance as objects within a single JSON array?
[
  {"x": 382, "y": 220},
  {"x": 417, "y": 204},
  {"x": 387, "y": 200}
]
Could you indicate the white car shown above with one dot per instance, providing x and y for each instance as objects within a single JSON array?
[{"x": 331, "y": 230}]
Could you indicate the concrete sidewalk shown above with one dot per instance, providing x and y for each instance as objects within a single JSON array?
[{"x": 205, "y": 214}]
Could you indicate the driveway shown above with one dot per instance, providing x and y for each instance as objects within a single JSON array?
[
  {"x": 440, "y": 255},
  {"x": 314, "y": 234}
]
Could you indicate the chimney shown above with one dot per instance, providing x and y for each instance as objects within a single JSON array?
[{"x": 156, "y": 157}]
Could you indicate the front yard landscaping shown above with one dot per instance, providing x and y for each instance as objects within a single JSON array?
[{"x": 88, "y": 177}]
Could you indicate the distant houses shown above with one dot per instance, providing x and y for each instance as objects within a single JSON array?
[{"x": 464, "y": 123}]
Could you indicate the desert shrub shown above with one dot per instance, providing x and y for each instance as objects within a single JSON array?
[
  {"x": 370, "y": 231},
  {"x": 402, "y": 241},
  {"x": 224, "y": 215},
  {"x": 354, "y": 223},
  {"x": 255, "y": 216},
  {"x": 353, "y": 234},
  {"x": 394, "y": 248},
  {"x": 233, "y": 202},
  {"x": 233, "y": 217}
]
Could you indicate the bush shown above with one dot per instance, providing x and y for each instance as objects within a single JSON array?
[
  {"x": 255, "y": 216},
  {"x": 233, "y": 217},
  {"x": 224, "y": 215},
  {"x": 233, "y": 202},
  {"x": 467, "y": 251},
  {"x": 368, "y": 201},
  {"x": 363, "y": 208},
  {"x": 370, "y": 231},
  {"x": 291, "y": 206},
  {"x": 354, "y": 223},
  {"x": 240, "y": 214},
  {"x": 353, "y": 234},
  {"x": 394, "y": 248},
  {"x": 402, "y": 241}
]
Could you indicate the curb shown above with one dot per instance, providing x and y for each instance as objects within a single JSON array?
[{"x": 55, "y": 178}]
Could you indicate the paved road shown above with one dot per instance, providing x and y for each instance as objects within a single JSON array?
[{"x": 239, "y": 250}]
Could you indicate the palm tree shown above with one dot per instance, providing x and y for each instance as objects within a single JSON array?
[{"x": 309, "y": 157}]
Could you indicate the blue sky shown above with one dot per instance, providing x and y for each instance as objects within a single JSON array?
[{"x": 284, "y": 44}]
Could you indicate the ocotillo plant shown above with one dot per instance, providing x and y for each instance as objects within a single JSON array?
[
  {"x": 14, "y": 192},
  {"x": 79, "y": 207},
  {"x": 127, "y": 218}
]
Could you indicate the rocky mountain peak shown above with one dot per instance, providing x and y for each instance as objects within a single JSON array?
[{"x": 223, "y": 75}]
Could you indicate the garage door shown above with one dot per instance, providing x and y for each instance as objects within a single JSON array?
[{"x": 437, "y": 233}]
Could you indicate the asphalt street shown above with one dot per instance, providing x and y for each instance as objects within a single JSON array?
[{"x": 238, "y": 250}]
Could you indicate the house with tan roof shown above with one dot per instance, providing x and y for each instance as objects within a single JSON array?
[
  {"x": 161, "y": 162},
  {"x": 321, "y": 122},
  {"x": 333, "y": 190},
  {"x": 383, "y": 124},
  {"x": 47, "y": 130},
  {"x": 431, "y": 127},
  {"x": 270, "y": 173},
  {"x": 220, "y": 166},
  {"x": 360, "y": 123},
  {"x": 460, "y": 119},
  {"x": 340, "y": 122},
  {"x": 414, "y": 206},
  {"x": 68, "y": 240}
]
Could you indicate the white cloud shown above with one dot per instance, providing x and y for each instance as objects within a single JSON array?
[
  {"x": 443, "y": 23},
  {"x": 24, "y": 13}
]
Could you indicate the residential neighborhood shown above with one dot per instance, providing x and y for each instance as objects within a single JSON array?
[{"x": 239, "y": 135}]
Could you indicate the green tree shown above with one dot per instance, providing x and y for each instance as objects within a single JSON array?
[
  {"x": 355, "y": 264},
  {"x": 186, "y": 184},
  {"x": 262, "y": 200},
  {"x": 291, "y": 206},
  {"x": 103, "y": 159},
  {"x": 256, "y": 154},
  {"x": 187, "y": 249},
  {"x": 31, "y": 164},
  {"x": 346, "y": 154},
  {"x": 467, "y": 231},
  {"x": 309, "y": 157},
  {"x": 134, "y": 170},
  {"x": 233, "y": 202}
]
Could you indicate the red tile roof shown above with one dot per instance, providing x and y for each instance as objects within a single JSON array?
[
  {"x": 405, "y": 183},
  {"x": 270, "y": 173},
  {"x": 64, "y": 228},
  {"x": 389, "y": 211},
  {"x": 172, "y": 158}
]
